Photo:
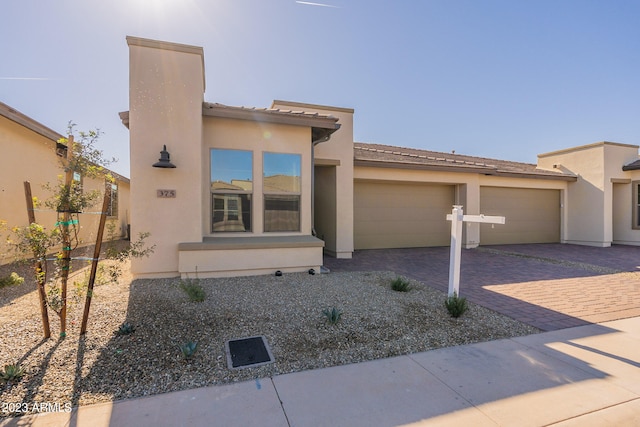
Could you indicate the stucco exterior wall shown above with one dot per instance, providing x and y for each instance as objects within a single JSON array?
[
  {"x": 166, "y": 87},
  {"x": 589, "y": 208},
  {"x": 21, "y": 147},
  {"x": 259, "y": 138},
  {"x": 624, "y": 231},
  {"x": 585, "y": 202},
  {"x": 325, "y": 199},
  {"x": 339, "y": 148},
  {"x": 29, "y": 156}
]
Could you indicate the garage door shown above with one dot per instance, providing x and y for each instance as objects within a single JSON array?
[
  {"x": 532, "y": 215},
  {"x": 390, "y": 215}
]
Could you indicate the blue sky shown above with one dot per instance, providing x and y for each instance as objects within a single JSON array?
[{"x": 504, "y": 79}]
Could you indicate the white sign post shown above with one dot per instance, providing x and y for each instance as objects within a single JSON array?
[{"x": 457, "y": 218}]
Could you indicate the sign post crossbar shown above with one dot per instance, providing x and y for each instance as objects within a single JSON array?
[{"x": 457, "y": 218}]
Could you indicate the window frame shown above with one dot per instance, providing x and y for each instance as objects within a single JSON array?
[
  {"x": 113, "y": 201},
  {"x": 635, "y": 205},
  {"x": 294, "y": 194},
  {"x": 244, "y": 197}
]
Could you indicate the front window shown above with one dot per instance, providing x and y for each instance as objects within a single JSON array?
[
  {"x": 112, "y": 209},
  {"x": 635, "y": 185},
  {"x": 281, "y": 192},
  {"x": 231, "y": 189}
]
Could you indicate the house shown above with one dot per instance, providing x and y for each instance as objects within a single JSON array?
[
  {"x": 255, "y": 190},
  {"x": 31, "y": 153}
]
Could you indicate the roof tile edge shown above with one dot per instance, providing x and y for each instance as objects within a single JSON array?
[{"x": 311, "y": 106}]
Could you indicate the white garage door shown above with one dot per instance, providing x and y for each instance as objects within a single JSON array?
[
  {"x": 532, "y": 215},
  {"x": 390, "y": 215}
]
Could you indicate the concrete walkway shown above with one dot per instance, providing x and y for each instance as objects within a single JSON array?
[
  {"x": 549, "y": 286},
  {"x": 582, "y": 376}
]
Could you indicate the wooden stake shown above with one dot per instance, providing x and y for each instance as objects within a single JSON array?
[
  {"x": 66, "y": 239},
  {"x": 40, "y": 281},
  {"x": 96, "y": 255}
]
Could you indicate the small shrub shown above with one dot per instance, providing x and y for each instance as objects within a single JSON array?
[
  {"x": 400, "y": 284},
  {"x": 188, "y": 349},
  {"x": 333, "y": 315},
  {"x": 125, "y": 329},
  {"x": 11, "y": 280},
  {"x": 192, "y": 288},
  {"x": 12, "y": 373},
  {"x": 456, "y": 305}
]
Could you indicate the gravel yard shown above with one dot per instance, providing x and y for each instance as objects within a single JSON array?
[{"x": 377, "y": 322}]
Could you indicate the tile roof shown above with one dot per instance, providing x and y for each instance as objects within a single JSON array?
[
  {"x": 633, "y": 166},
  {"x": 387, "y": 155},
  {"x": 276, "y": 112},
  {"x": 322, "y": 125},
  {"x": 26, "y": 121}
]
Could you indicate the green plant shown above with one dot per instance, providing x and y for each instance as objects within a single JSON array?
[
  {"x": 11, "y": 280},
  {"x": 188, "y": 349},
  {"x": 126, "y": 329},
  {"x": 400, "y": 284},
  {"x": 136, "y": 249},
  {"x": 333, "y": 315},
  {"x": 68, "y": 198},
  {"x": 12, "y": 373},
  {"x": 456, "y": 305},
  {"x": 193, "y": 289}
]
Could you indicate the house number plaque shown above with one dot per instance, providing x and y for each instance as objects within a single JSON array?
[{"x": 166, "y": 194}]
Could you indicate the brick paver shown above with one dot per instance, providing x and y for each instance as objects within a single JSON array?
[{"x": 533, "y": 288}]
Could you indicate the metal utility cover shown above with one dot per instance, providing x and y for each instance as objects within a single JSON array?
[{"x": 248, "y": 352}]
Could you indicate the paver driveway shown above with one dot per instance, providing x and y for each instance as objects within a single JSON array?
[{"x": 549, "y": 286}]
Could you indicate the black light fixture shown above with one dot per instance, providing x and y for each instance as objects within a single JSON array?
[{"x": 164, "y": 162}]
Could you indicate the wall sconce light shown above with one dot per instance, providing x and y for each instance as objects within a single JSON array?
[{"x": 164, "y": 162}]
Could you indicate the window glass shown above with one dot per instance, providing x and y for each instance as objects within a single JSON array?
[
  {"x": 232, "y": 169},
  {"x": 281, "y": 186},
  {"x": 281, "y": 173},
  {"x": 231, "y": 212},
  {"x": 281, "y": 212},
  {"x": 231, "y": 187},
  {"x": 636, "y": 202},
  {"x": 112, "y": 210}
]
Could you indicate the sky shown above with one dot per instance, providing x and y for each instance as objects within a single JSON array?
[{"x": 505, "y": 79}]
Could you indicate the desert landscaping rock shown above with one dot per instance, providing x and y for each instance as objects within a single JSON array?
[{"x": 377, "y": 322}]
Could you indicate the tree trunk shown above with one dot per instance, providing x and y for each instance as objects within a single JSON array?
[
  {"x": 41, "y": 279},
  {"x": 66, "y": 240},
  {"x": 96, "y": 255}
]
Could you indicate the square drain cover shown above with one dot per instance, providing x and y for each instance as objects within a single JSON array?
[{"x": 248, "y": 352}]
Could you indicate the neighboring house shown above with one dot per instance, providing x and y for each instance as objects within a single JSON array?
[
  {"x": 603, "y": 203},
  {"x": 259, "y": 190},
  {"x": 30, "y": 152}
]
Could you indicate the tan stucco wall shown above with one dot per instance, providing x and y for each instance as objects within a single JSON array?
[
  {"x": 249, "y": 262},
  {"x": 623, "y": 206},
  {"x": 20, "y": 147},
  {"x": 166, "y": 107},
  {"x": 259, "y": 138},
  {"x": 339, "y": 148},
  {"x": 29, "y": 156},
  {"x": 166, "y": 87},
  {"x": 589, "y": 208},
  {"x": 325, "y": 199}
]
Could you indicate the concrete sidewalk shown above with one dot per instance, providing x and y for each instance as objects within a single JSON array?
[{"x": 582, "y": 376}]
